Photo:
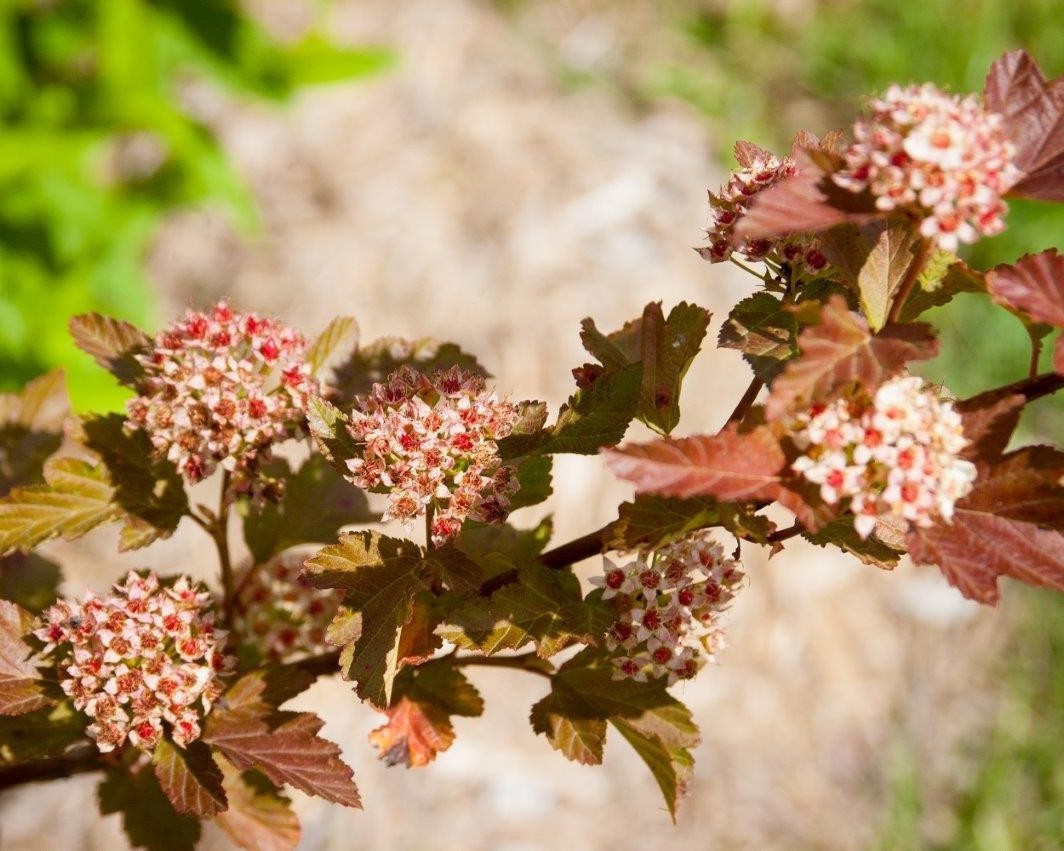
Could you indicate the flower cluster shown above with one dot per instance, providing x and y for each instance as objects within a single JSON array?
[
  {"x": 431, "y": 441},
  {"x": 941, "y": 157},
  {"x": 280, "y": 615},
  {"x": 894, "y": 456},
  {"x": 760, "y": 170},
  {"x": 141, "y": 656},
  {"x": 668, "y": 602},
  {"x": 220, "y": 388}
]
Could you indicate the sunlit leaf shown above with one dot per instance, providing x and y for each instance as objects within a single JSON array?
[
  {"x": 190, "y": 778},
  {"x": 20, "y": 687},
  {"x": 114, "y": 344},
  {"x": 259, "y": 818}
]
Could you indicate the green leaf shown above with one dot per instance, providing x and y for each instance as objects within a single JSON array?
[
  {"x": 316, "y": 503},
  {"x": 315, "y": 61},
  {"x": 251, "y": 732},
  {"x": 149, "y": 819},
  {"x": 76, "y": 498},
  {"x": 259, "y": 818},
  {"x": 598, "y": 416},
  {"x": 651, "y": 520},
  {"x": 381, "y": 576},
  {"x": 20, "y": 686},
  {"x": 534, "y": 478},
  {"x": 337, "y": 341},
  {"x": 31, "y": 428},
  {"x": 375, "y": 362},
  {"x": 938, "y": 288},
  {"x": 543, "y": 606},
  {"x": 150, "y": 490},
  {"x": 328, "y": 427},
  {"x": 190, "y": 778},
  {"x": 764, "y": 331},
  {"x": 841, "y": 533},
  {"x": 30, "y": 580},
  {"x": 497, "y": 547},
  {"x": 42, "y": 734},
  {"x": 113, "y": 343},
  {"x": 584, "y": 697}
]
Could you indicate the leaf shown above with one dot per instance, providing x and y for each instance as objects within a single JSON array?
[
  {"x": 989, "y": 420},
  {"x": 1025, "y": 485},
  {"x": 338, "y": 340},
  {"x": 30, "y": 580},
  {"x": 806, "y": 203},
  {"x": 20, "y": 687},
  {"x": 598, "y": 416},
  {"x": 534, "y": 478},
  {"x": 731, "y": 466},
  {"x": 543, "y": 606},
  {"x": 651, "y": 520},
  {"x": 42, "y": 734},
  {"x": 1033, "y": 112},
  {"x": 1034, "y": 284},
  {"x": 527, "y": 434},
  {"x": 31, "y": 428},
  {"x": 328, "y": 427},
  {"x": 113, "y": 343},
  {"x": 258, "y": 818},
  {"x": 584, "y": 697},
  {"x": 149, "y": 819},
  {"x": 664, "y": 348},
  {"x": 76, "y": 498},
  {"x": 419, "y": 719},
  {"x": 149, "y": 490},
  {"x": 842, "y": 350},
  {"x": 957, "y": 277},
  {"x": 251, "y": 732},
  {"x": 316, "y": 503},
  {"x": 375, "y": 362},
  {"x": 381, "y": 576},
  {"x": 190, "y": 778},
  {"x": 841, "y": 533},
  {"x": 874, "y": 258},
  {"x": 765, "y": 332}
]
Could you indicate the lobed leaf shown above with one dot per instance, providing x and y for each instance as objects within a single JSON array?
[
  {"x": 944, "y": 277},
  {"x": 989, "y": 421},
  {"x": 148, "y": 818},
  {"x": 765, "y": 332},
  {"x": 584, "y": 697},
  {"x": 841, "y": 533},
  {"x": 382, "y": 576},
  {"x": 328, "y": 428},
  {"x": 1034, "y": 285},
  {"x": 113, "y": 343},
  {"x": 1033, "y": 113},
  {"x": 598, "y": 416},
  {"x": 76, "y": 498},
  {"x": 30, "y": 580},
  {"x": 730, "y": 466},
  {"x": 259, "y": 818},
  {"x": 842, "y": 350},
  {"x": 20, "y": 683},
  {"x": 250, "y": 732},
  {"x": 190, "y": 778},
  {"x": 651, "y": 520},
  {"x": 31, "y": 428},
  {"x": 316, "y": 503}
]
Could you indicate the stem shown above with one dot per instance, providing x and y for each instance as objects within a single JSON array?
[
  {"x": 524, "y": 662},
  {"x": 576, "y": 550},
  {"x": 1036, "y": 353},
  {"x": 54, "y": 768},
  {"x": 912, "y": 274},
  {"x": 746, "y": 401},
  {"x": 784, "y": 534},
  {"x": 220, "y": 533},
  {"x": 746, "y": 268},
  {"x": 430, "y": 512},
  {"x": 1031, "y": 388}
]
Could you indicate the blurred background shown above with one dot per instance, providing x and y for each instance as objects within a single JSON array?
[{"x": 490, "y": 173}]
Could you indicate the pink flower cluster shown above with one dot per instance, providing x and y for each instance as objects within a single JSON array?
[
  {"x": 760, "y": 170},
  {"x": 943, "y": 158},
  {"x": 894, "y": 456},
  {"x": 431, "y": 441},
  {"x": 141, "y": 656},
  {"x": 219, "y": 389},
  {"x": 280, "y": 615},
  {"x": 668, "y": 603}
]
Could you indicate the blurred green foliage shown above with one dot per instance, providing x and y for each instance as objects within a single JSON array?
[{"x": 96, "y": 149}]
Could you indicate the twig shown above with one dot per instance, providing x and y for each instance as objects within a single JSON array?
[
  {"x": 784, "y": 534},
  {"x": 746, "y": 401},
  {"x": 53, "y": 768},
  {"x": 1036, "y": 353},
  {"x": 912, "y": 275}
]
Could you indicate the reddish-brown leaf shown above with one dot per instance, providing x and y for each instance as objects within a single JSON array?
[
  {"x": 840, "y": 350},
  {"x": 1033, "y": 110},
  {"x": 730, "y": 466},
  {"x": 1034, "y": 285},
  {"x": 414, "y": 734},
  {"x": 989, "y": 421},
  {"x": 258, "y": 818},
  {"x": 20, "y": 690},
  {"x": 807, "y": 202},
  {"x": 979, "y": 547},
  {"x": 114, "y": 344},
  {"x": 190, "y": 778},
  {"x": 1024, "y": 485},
  {"x": 285, "y": 746}
]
